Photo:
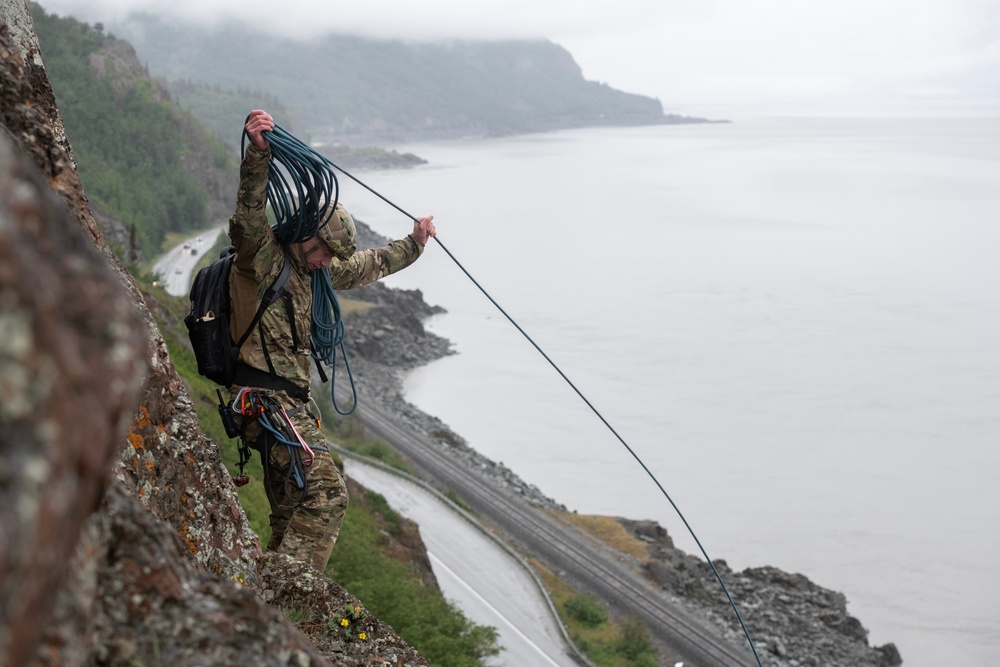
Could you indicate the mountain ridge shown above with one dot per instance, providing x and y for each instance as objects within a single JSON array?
[{"x": 357, "y": 90}]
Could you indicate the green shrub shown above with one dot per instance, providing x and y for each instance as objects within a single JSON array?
[
  {"x": 634, "y": 644},
  {"x": 391, "y": 517},
  {"x": 586, "y": 610}
]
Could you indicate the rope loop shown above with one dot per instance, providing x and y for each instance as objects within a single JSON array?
[
  {"x": 328, "y": 335},
  {"x": 302, "y": 191}
]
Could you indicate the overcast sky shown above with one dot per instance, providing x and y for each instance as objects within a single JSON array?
[{"x": 694, "y": 55}]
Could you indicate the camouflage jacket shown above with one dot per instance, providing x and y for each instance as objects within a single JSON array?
[{"x": 259, "y": 259}]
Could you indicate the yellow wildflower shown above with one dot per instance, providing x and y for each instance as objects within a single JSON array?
[
  {"x": 362, "y": 636},
  {"x": 344, "y": 622}
]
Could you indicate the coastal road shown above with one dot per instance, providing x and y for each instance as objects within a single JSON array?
[
  {"x": 581, "y": 561},
  {"x": 489, "y": 583},
  {"x": 176, "y": 265}
]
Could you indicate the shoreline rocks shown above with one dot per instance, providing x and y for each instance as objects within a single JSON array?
[
  {"x": 793, "y": 621},
  {"x": 385, "y": 342}
]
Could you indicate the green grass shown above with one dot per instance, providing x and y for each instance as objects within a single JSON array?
[
  {"x": 389, "y": 589},
  {"x": 378, "y": 503},
  {"x": 606, "y": 641},
  {"x": 297, "y": 614},
  {"x": 378, "y": 450},
  {"x": 453, "y": 497}
]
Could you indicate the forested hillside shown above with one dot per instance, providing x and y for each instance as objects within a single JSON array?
[
  {"x": 142, "y": 160},
  {"x": 361, "y": 90}
]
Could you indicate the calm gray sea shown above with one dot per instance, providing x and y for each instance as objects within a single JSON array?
[{"x": 794, "y": 322}]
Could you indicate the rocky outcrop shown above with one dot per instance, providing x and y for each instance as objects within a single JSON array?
[
  {"x": 122, "y": 541},
  {"x": 116, "y": 61},
  {"x": 323, "y": 607},
  {"x": 71, "y": 357}
]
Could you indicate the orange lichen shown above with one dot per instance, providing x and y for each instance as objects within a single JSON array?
[
  {"x": 136, "y": 440},
  {"x": 142, "y": 418},
  {"x": 188, "y": 540}
]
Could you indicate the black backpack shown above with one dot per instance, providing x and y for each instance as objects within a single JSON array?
[{"x": 211, "y": 308}]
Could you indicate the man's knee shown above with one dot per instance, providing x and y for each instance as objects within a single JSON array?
[{"x": 326, "y": 478}]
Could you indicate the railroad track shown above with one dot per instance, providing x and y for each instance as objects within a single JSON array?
[{"x": 565, "y": 550}]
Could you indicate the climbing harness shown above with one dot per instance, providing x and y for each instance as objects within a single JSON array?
[
  {"x": 268, "y": 411},
  {"x": 635, "y": 456}
]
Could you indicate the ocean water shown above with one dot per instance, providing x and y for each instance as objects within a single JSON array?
[{"x": 793, "y": 322}]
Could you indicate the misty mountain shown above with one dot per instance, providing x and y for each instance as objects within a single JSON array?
[{"x": 362, "y": 90}]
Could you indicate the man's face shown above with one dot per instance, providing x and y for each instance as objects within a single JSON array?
[{"x": 316, "y": 254}]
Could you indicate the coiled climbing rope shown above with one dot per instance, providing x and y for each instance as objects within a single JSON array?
[{"x": 302, "y": 190}]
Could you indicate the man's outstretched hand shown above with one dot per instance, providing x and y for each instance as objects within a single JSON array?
[{"x": 259, "y": 121}]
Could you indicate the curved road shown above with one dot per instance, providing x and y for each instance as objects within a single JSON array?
[
  {"x": 482, "y": 576},
  {"x": 576, "y": 557}
]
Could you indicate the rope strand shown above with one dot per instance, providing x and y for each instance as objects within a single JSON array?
[
  {"x": 313, "y": 179},
  {"x": 635, "y": 456},
  {"x": 328, "y": 335}
]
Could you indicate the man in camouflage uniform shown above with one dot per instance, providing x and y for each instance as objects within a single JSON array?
[{"x": 276, "y": 356}]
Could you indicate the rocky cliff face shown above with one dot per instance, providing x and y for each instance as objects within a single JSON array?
[{"x": 123, "y": 542}]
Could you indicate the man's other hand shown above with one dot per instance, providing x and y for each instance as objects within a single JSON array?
[{"x": 423, "y": 229}]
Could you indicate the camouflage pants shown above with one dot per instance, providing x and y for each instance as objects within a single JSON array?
[{"x": 304, "y": 523}]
